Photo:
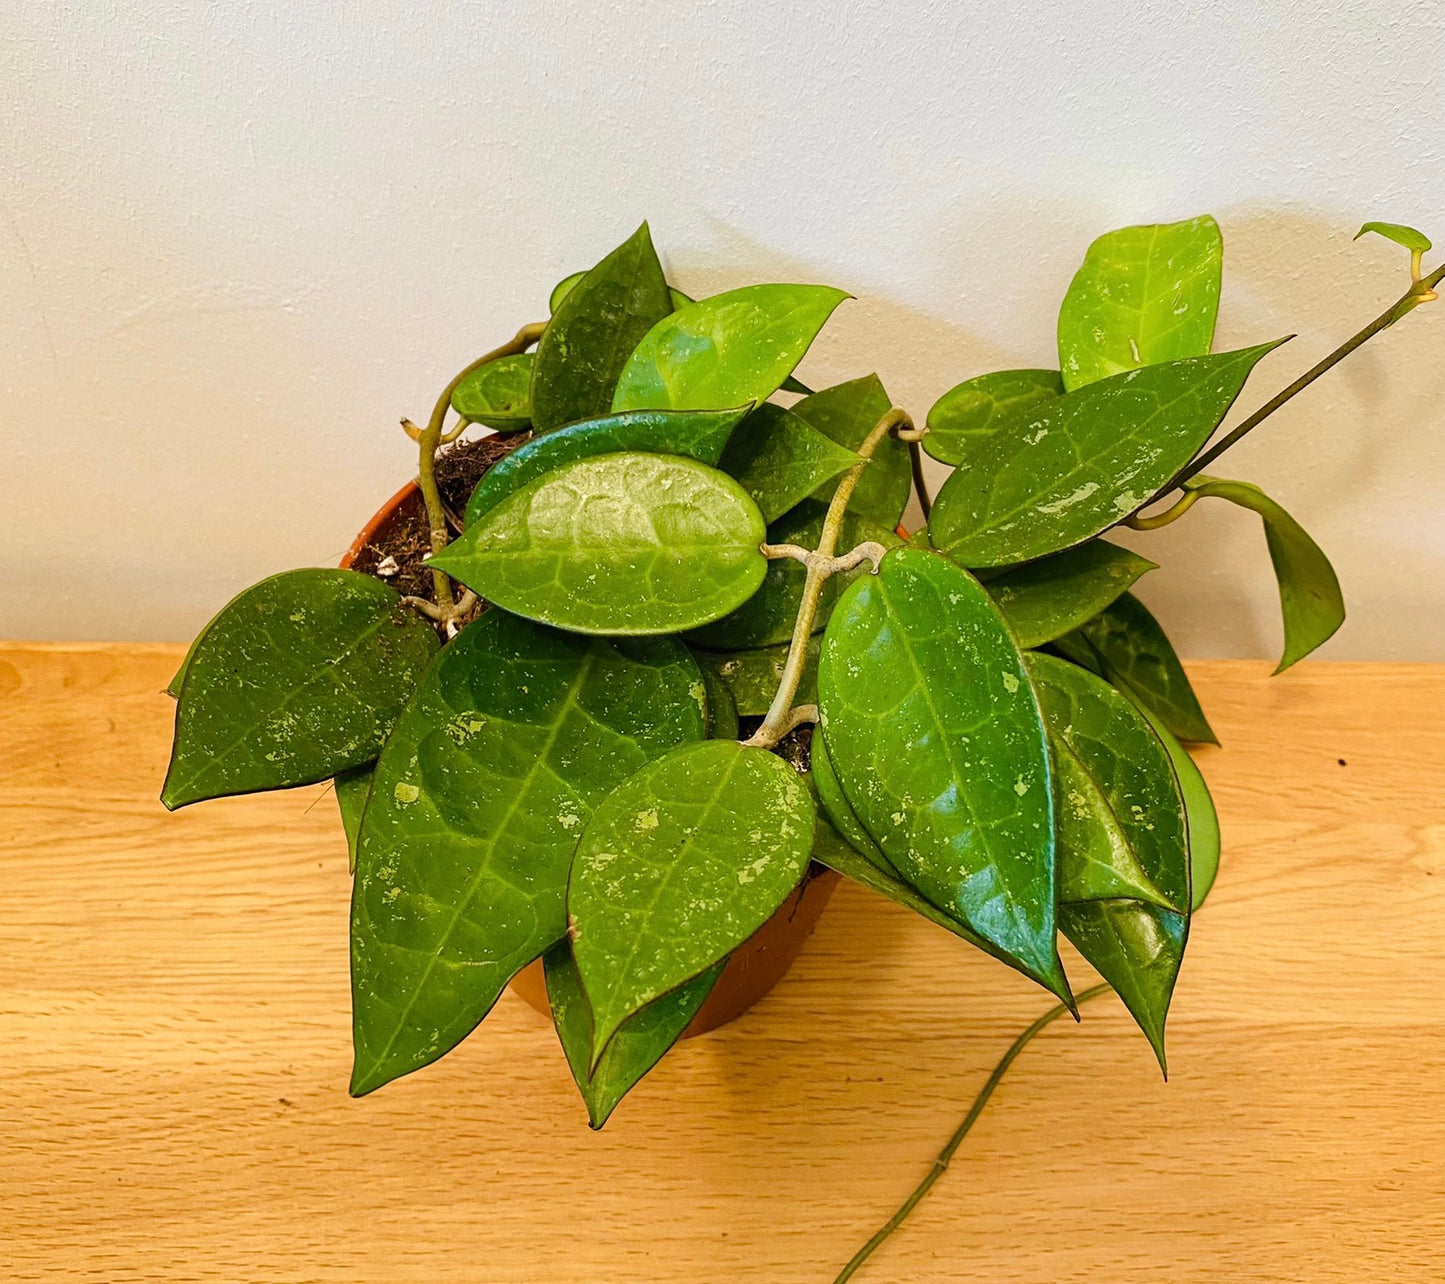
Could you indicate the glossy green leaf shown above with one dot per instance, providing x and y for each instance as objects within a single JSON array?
[
  {"x": 697, "y": 434},
  {"x": 779, "y": 460},
  {"x": 753, "y": 675},
  {"x": 722, "y": 709},
  {"x": 1074, "y": 466},
  {"x": 173, "y": 687},
  {"x": 1411, "y": 239},
  {"x": 1144, "y": 295},
  {"x": 1199, "y": 812},
  {"x": 767, "y": 617},
  {"x": 515, "y": 735},
  {"x": 1136, "y": 656},
  {"x": 352, "y": 787},
  {"x": 831, "y": 850},
  {"x": 564, "y": 287},
  {"x": 975, "y": 408},
  {"x": 1043, "y": 600},
  {"x": 597, "y": 323},
  {"x": 726, "y": 350},
  {"x": 932, "y": 727},
  {"x": 639, "y": 1044},
  {"x": 299, "y": 677},
  {"x": 629, "y": 543},
  {"x": 497, "y": 394},
  {"x": 1119, "y": 811},
  {"x": 1137, "y": 949},
  {"x": 681, "y": 863},
  {"x": 841, "y": 819},
  {"x": 1309, "y": 592},
  {"x": 847, "y": 413}
]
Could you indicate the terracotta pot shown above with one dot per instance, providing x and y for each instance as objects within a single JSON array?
[{"x": 757, "y": 964}]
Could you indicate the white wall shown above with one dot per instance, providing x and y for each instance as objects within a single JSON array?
[{"x": 238, "y": 241}]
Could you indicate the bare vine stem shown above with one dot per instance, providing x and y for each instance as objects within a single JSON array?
[
  {"x": 776, "y": 725},
  {"x": 1420, "y": 291},
  {"x": 940, "y": 1165},
  {"x": 431, "y": 437},
  {"x": 915, "y": 459}
]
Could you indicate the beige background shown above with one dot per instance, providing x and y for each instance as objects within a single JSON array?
[{"x": 238, "y": 242}]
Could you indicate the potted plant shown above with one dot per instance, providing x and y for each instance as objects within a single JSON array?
[{"x": 609, "y": 690}]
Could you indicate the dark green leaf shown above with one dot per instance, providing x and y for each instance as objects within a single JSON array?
[
  {"x": 842, "y": 820},
  {"x": 1144, "y": 295},
  {"x": 935, "y": 735},
  {"x": 698, "y": 434},
  {"x": 1202, "y": 819},
  {"x": 1043, "y": 600},
  {"x": 1135, "y": 655},
  {"x": 629, "y": 543},
  {"x": 299, "y": 677},
  {"x": 173, "y": 687},
  {"x": 753, "y": 675},
  {"x": 564, "y": 287},
  {"x": 766, "y": 618},
  {"x": 830, "y": 849},
  {"x": 639, "y": 1043},
  {"x": 596, "y": 325},
  {"x": 726, "y": 350},
  {"x": 847, "y": 413},
  {"x": 681, "y": 863},
  {"x": 1137, "y": 949},
  {"x": 1072, "y": 467},
  {"x": 1309, "y": 592},
  {"x": 497, "y": 394},
  {"x": 977, "y": 406},
  {"x": 779, "y": 460},
  {"x": 1411, "y": 239},
  {"x": 515, "y": 735},
  {"x": 1119, "y": 812},
  {"x": 352, "y": 787},
  {"x": 722, "y": 710}
]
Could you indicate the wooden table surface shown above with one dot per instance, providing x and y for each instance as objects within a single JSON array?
[{"x": 175, "y": 1034}]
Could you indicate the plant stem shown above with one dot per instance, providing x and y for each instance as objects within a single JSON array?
[
  {"x": 775, "y": 725},
  {"x": 430, "y": 438},
  {"x": 1419, "y": 292},
  {"x": 915, "y": 457},
  {"x": 940, "y": 1165}
]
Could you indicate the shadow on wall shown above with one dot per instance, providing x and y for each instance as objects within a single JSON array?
[{"x": 1335, "y": 457}]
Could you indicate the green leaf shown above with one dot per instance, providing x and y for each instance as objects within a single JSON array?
[
  {"x": 497, "y": 394},
  {"x": 173, "y": 687},
  {"x": 516, "y": 733},
  {"x": 831, "y": 850},
  {"x": 1309, "y": 592},
  {"x": 1135, "y": 655},
  {"x": 976, "y": 407},
  {"x": 932, "y": 727},
  {"x": 681, "y": 863},
  {"x": 564, "y": 287},
  {"x": 299, "y": 677},
  {"x": 1417, "y": 242},
  {"x": 352, "y": 788},
  {"x": 726, "y": 350},
  {"x": 595, "y": 326},
  {"x": 639, "y": 1044},
  {"x": 1045, "y": 599},
  {"x": 722, "y": 709},
  {"x": 753, "y": 676},
  {"x": 779, "y": 460},
  {"x": 629, "y": 543},
  {"x": 847, "y": 413},
  {"x": 1074, "y": 466},
  {"x": 697, "y": 434},
  {"x": 1199, "y": 812},
  {"x": 842, "y": 820},
  {"x": 1119, "y": 812},
  {"x": 1144, "y": 295},
  {"x": 1137, "y": 949},
  {"x": 767, "y": 617}
]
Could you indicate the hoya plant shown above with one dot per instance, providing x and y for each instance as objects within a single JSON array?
[{"x": 667, "y": 651}]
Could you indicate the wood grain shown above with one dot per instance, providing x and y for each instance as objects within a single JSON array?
[{"x": 174, "y": 1019}]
